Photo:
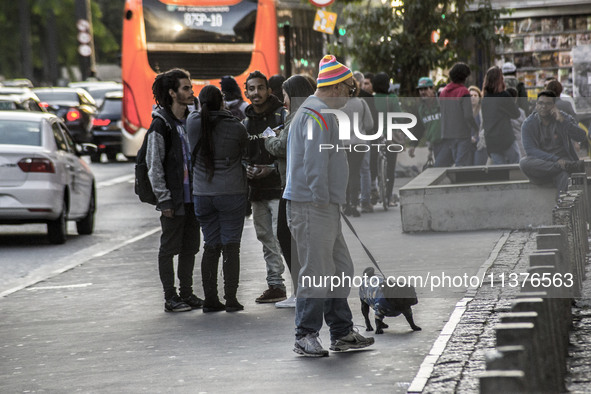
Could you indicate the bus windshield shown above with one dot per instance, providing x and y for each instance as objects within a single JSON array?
[{"x": 207, "y": 41}]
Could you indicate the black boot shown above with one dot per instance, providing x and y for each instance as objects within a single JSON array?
[
  {"x": 231, "y": 270},
  {"x": 209, "y": 277}
]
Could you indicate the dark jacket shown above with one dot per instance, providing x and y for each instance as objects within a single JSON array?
[
  {"x": 385, "y": 103},
  {"x": 457, "y": 119},
  {"x": 531, "y": 134},
  {"x": 430, "y": 118},
  {"x": 164, "y": 158},
  {"x": 512, "y": 82},
  {"x": 565, "y": 106},
  {"x": 230, "y": 141},
  {"x": 497, "y": 111},
  {"x": 268, "y": 188}
]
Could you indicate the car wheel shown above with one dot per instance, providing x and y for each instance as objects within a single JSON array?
[
  {"x": 85, "y": 226},
  {"x": 57, "y": 230},
  {"x": 95, "y": 157},
  {"x": 112, "y": 156}
]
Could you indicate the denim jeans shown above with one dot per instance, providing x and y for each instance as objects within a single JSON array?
[
  {"x": 264, "y": 217},
  {"x": 458, "y": 151},
  {"x": 510, "y": 156},
  {"x": 365, "y": 177},
  {"x": 542, "y": 171},
  {"x": 323, "y": 253},
  {"x": 480, "y": 157},
  {"x": 221, "y": 218}
]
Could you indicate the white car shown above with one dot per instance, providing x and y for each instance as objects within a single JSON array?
[{"x": 43, "y": 178}]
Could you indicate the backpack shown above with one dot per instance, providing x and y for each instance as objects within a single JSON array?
[{"x": 143, "y": 187}]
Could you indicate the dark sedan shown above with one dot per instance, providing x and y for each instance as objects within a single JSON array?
[
  {"x": 76, "y": 106},
  {"x": 106, "y": 133}
]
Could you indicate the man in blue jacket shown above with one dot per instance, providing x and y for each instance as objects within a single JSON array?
[
  {"x": 315, "y": 189},
  {"x": 546, "y": 136}
]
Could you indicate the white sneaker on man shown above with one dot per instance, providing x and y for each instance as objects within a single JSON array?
[{"x": 288, "y": 303}]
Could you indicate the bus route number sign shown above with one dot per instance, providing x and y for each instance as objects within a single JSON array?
[{"x": 200, "y": 19}]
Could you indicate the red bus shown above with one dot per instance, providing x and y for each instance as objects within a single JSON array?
[{"x": 210, "y": 39}]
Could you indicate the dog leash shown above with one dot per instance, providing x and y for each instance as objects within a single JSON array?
[{"x": 373, "y": 260}]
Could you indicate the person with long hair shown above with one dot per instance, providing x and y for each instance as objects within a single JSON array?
[
  {"x": 168, "y": 158},
  {"x": 218, "y": 141},
  {"x": 498, "y": 108},
  {"x": 295, "y": 90},
  {"x": 480, "y": 155}
]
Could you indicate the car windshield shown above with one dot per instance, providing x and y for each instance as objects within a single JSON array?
[
  {"x": 111, "y": 108},
  {"x": 7, "y": 105},
  {"x": 100, "y": 92},
  {"x": 20, "y": 132},
  {"x": 57, "y": 96}
]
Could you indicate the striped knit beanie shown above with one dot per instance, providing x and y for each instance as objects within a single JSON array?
[{"x": 332, "y": 72}]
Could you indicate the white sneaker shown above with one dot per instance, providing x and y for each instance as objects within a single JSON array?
[{"x": 288, "y": 303}]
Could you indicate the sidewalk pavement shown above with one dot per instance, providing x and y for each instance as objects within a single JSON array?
[
  {"x": 464, "y": 359},
  {"x": 100, "y": 327}
]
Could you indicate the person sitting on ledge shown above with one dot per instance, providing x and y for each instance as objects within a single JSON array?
[{"x": 546, "y": 136}]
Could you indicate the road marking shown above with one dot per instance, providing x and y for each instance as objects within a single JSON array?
[
  {"x": 129, "y": 241},
  {"x": 59, "y": 287},
  {"x": 70, "y": 262},
  {"x": 114, "y": 181},
  {"x": 426, "y": 369}
]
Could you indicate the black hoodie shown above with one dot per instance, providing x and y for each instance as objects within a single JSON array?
[{"x": 268, "y": 188}]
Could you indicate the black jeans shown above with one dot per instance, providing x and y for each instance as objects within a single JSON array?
[
  {"x": 391, "y": 172},
  {"x": 180, "y": 235}
]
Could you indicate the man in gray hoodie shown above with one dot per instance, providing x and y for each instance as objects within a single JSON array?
[{"x": 316, "y": 186}]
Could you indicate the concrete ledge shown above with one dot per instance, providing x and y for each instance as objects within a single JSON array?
[{"x": 475, "y": 198}]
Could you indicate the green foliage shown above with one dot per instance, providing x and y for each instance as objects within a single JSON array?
[
  {"x": 106, "y": 20},
  {"x": 398, "y": 40}
]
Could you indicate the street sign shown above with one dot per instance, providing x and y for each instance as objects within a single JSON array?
[
  {"x": 84, "y": 37},
  {"x": 84, "y": 50},
  {"x": 82, "y": 25},
  {"x": 325, "y": 21}
]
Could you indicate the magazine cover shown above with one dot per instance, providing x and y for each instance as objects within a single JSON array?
[{"x": 565, "y": 59}]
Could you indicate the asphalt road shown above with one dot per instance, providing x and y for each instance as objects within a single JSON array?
[{"x": 96, "y": 324}]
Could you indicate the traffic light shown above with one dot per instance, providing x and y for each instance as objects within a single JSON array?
[{"x": 342, "y": 31}]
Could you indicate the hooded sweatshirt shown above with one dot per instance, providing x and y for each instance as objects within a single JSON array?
[
  {"x": 268, "y": 188},
  {"x": 457, "y": 120}
]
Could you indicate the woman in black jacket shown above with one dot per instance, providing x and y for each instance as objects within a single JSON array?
[
  {"x": 498, "y": 108},
  {"x": 218, "y": 141}
]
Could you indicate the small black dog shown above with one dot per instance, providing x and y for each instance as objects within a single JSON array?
[{"x": 386, "y": 300}]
